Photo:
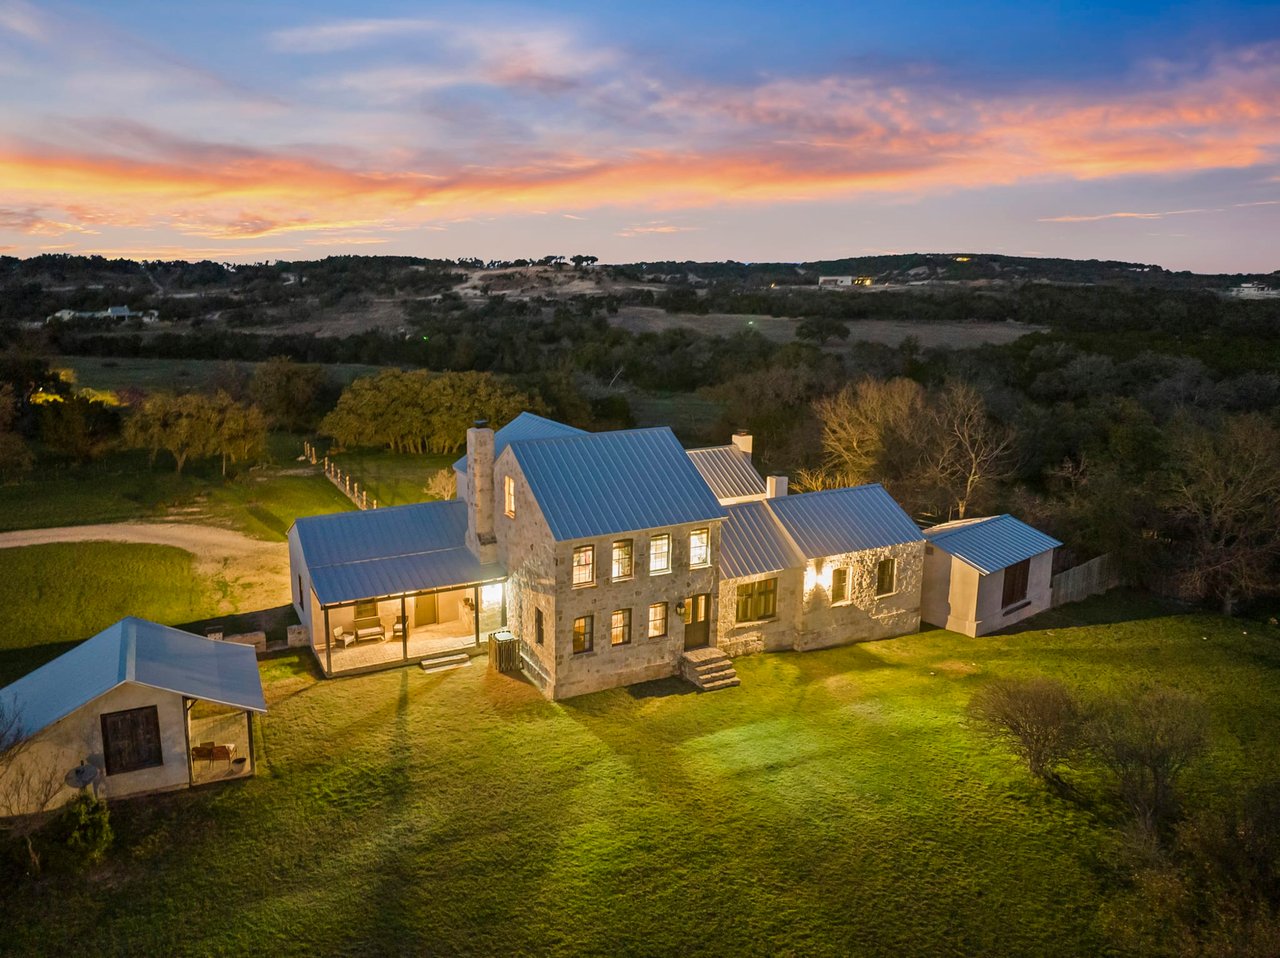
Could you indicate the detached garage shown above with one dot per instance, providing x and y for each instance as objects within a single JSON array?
[
  {"x": 138, "y": 708},
  {"x": 983, "y": 575}
]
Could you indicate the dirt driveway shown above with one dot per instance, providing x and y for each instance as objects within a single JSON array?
[{"x": 252, "y": 574}]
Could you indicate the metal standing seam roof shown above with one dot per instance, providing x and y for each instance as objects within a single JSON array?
[
  {"x": 834, "y": 521},
  {"x": 728, "y": 471},
  {"x": 524, "y": 426},
  {"x": 602, "y": 483},
  {"x": 990, "y": 544},
  {"x": 380, "y": 552},
  {"x": 142, "y": 652},
  {"x": 751, "y": 543}
]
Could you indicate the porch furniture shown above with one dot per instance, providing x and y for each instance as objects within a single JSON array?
[
  {"x": 202, "y": 751},
  {"x": 342, "y": 637},
  {"x": 369, "y": 629},
  {"x": 397, "y": 630},
  {"x": 223, "y": 753}
]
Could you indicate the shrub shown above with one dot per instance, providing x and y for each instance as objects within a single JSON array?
[
  {"x": 1039, "y": 718},
  {"x": 81, "y": 833}
]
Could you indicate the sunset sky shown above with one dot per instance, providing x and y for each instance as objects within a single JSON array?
[{"x": 750, "y": 131}]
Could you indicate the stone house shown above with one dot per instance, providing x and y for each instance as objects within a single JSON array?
[{"x": 612, "y": 558}]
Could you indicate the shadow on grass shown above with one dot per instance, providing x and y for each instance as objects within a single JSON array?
[
  {"x": 15, "y": 663},
  {"x": 661, "y": 688},
  {"x": 274, "y": 622},
  {"x": 1115, "y": 608}
]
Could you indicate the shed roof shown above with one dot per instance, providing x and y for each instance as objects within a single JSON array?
[
  {"x": 752, "y": 543},
  {"x": 524, "y": 426},
  {"x": 142, "y": 652},
  {"x": 728, "y": 471},
  {"x": 836, "y": 521},
  {"x": 606, "y": 482},
  {"x": 991, "y": 543},
  {"x": 414, "y": 548}
]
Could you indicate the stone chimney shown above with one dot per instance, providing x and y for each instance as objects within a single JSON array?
[
  {"x": 776, "y": 486},
  {"x": 480, "y": 538},
  {"x": 743, "y": 441}
]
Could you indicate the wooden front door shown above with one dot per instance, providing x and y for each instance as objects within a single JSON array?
[
  {"x": 424, "y": 609},
  {"x": 697, "y": 620}
]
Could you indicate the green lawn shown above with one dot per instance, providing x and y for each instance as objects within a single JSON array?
[
  {"x": 122, "y": 487},
  {"x": 837, "y": 803},
  {"x": 393, "y": 478},
  {"x": 56, "y": 595}
]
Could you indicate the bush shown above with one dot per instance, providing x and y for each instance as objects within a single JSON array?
[
  {"x": 1039, "y": 718},
  {"x": 81, "y": 833}
]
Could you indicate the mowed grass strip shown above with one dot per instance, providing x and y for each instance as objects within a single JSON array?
[
  {"x": 56, "y": 595},
  {"x": 838, "y": 803}
]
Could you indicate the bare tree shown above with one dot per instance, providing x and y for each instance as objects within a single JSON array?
[
  {"x": 968, "y": 452},
  {"x": 1224, "y": 498},
  {"x": 443, "y": 484},
  {"x": 1039, "y": 718},
  {"x": 27, "y": 788},
  {"x": 870, "y": 431},
  {"x": 1147, "y": 742}
]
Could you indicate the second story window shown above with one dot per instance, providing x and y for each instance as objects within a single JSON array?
[
  {"x": 840, "y": 585},
  {"x": 509, "y": 495},
  {"x": 539, "y": 626},
  {"x": 699, "y": 548},
  {"x": 584, "y": 566},
  {"x": 659, "y": 554},
  {"x": 622, "y": 560}
]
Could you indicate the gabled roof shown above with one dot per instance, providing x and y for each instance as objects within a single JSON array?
[
  {"x": 380, "y": 552},
  {"x": 992, "y": 543},
  {"x": 751, "y": 542},
  {"x": 836, "y": 521},
  {"x": 728, "y": 471},
  {"x": 602, "y": 483},
  {"x": 135, "y": 650},
  {"x": 524, "y": 426}
]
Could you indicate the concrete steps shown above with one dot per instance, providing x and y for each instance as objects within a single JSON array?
[
  {"x": 445, "y": 663},
  {"x": 708, "y": 669}
]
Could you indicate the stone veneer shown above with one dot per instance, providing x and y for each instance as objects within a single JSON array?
[{"x": 865, "y": 616}]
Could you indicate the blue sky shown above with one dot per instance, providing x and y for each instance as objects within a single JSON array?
[{"x": 250, "y": 131}]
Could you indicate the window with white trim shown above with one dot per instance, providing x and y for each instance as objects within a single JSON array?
[
  {"x": 659, "y": 554},
  {"x": 699, "y": 548},
  {"x": 584, "y": 566}
]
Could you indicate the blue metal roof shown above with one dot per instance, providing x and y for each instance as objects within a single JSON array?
[
  {"x": 597, "y": 484},
  {"x": 524, "y": 426},
  {"x": 363, "y": 555},
  {"x": 836, "y": 521},
  {"x": 990, "y": 544},
  {"x": 751, "y": 542},
  {"x": 728, "y": 471},
  {"x": 135, "y": 650}
]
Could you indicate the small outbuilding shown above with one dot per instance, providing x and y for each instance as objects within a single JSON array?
[
  {"x": 983, "y": 575},
  {"x": 138, "y": 708}
]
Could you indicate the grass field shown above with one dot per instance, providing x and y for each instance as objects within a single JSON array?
[
  {"x": 56, "y": 595},
  {"x": 393, "y": 478},
  {"x": 836, "y": 803},
  {"x": 122, "y": 487}
]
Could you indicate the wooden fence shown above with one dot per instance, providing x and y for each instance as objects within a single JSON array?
[{"x": 1089, "y": 578}]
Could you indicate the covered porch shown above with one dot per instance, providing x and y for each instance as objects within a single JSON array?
[
  {"x": 219, "y": 742},
  {"x": 388, "y": 631}
]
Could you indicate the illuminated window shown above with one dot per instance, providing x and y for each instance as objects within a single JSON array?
[
  {"x": 584, "y": 565},
  {"x": 657, "y": 620},
  {"x": 659, "y": 554},
  {"x": 509, "y": 495},
  {"x": 757, "y": 600},
  {"x": 886, "y": 577},
  {"x": 582, "y": 637},
  {"x": 622, "y": 559},
  {"x": 1015, "y": 583},
  {"x": 840, "y": 585},
  {"x": 620, "y": 627},
  {"x": 699, "y": 548}
]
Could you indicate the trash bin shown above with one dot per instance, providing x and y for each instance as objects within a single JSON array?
[{"x": 504, "y": 651}]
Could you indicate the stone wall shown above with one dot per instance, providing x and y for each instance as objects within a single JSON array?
[
  {"x": 865, "y": 616},
  {"x": 773, "y": 635}
]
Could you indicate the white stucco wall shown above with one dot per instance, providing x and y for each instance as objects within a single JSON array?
[
  {"x": 66, "y": 743},
  {"x": 959, "y": 598}
]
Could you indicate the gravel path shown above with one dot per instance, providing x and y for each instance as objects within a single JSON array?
[{"x": 253, "y": 574}]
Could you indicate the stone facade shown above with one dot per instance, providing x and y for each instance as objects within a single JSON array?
[
  {"x": 736, "y": 638},
  {"x": 864, "y": 616}
]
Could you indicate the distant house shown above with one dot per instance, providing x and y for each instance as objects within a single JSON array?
[
  {"x": 1253, "y": 291},
  {"x": 845, "y": 281},
  {"x": 138, "y": 708},
  {"x": 982, "y": 575}
]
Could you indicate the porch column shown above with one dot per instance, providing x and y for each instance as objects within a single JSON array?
[
  {"x": 328, "y": 643},
  {"x": 476, "y": 607},
  {"x": 404, "y": 629},
  {"x": 253, "y": 759},
  {"x": 186, "y": 734}
]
